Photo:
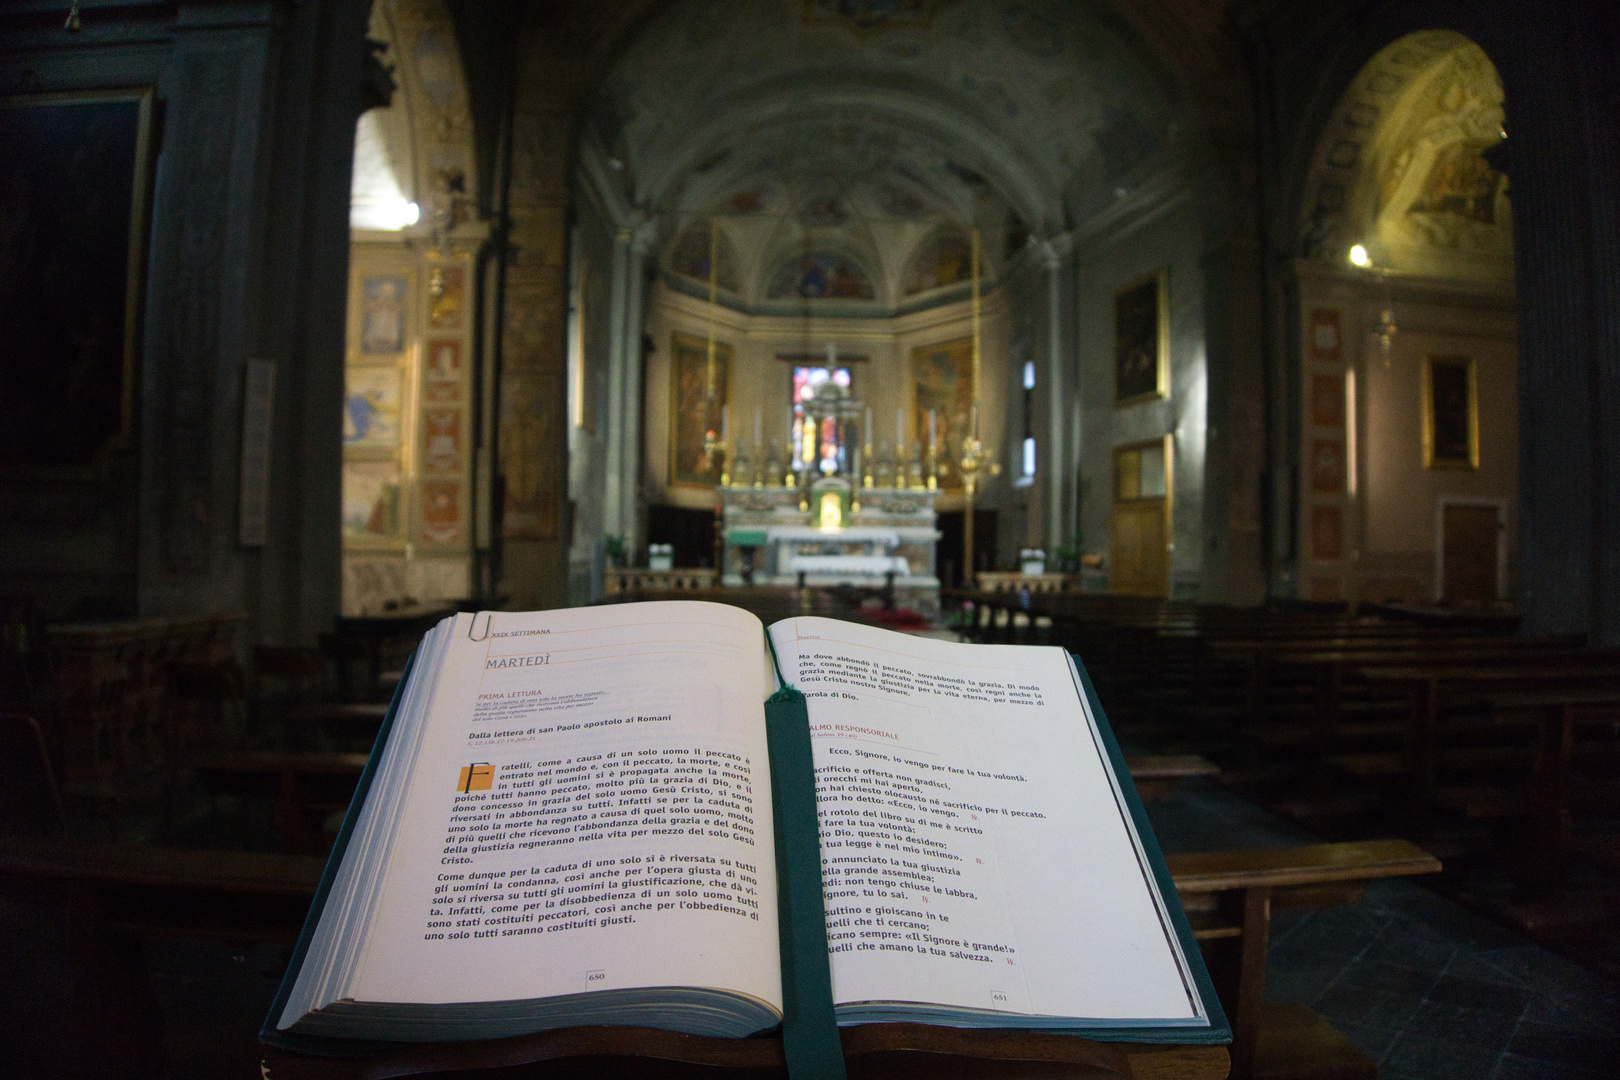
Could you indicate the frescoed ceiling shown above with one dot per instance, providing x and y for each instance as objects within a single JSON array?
[{"x": 883, "y": 121}]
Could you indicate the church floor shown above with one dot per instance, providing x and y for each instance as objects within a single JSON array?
[{"x": 1426, "y": 988}]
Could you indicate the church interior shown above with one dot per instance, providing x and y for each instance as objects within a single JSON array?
[{"x": 1265, "y": 356}]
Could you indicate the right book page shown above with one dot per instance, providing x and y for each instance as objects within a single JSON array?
[{"x": 977, "y": 851}]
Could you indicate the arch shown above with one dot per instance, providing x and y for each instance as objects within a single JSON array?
[
  {"x": 940, "y": 261},
  {"x": 689, "y": 257},
  {"x": 820, "y": 274},
  {"x": 1400, "y": 166}
]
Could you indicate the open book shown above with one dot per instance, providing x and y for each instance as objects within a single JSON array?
[{"x": 568, "y": 822}]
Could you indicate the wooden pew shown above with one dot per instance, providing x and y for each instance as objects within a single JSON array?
[
  {"x": 1156, "y": 775},
  {"x": 115, "y": 895},
  {"x": 1549, "y": 701},
  {"x": 1230, "y": 895},
  {"x": 307, "y": 788}
]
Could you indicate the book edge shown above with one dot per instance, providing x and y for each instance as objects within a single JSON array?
[{"x": 270, "y": 1033}]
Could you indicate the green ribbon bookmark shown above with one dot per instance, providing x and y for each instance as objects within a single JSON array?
[{"x": 809, "y": 1026}]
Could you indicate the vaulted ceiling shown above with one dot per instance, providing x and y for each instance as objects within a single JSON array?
[{"x": 909, "y": 108}]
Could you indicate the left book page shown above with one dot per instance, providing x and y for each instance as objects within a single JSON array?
[{"x": 571, "y": 803}]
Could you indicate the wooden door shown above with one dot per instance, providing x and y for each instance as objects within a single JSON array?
[
  {"x": 1141, "y": 540},
  {"x": 1469, "y": 535}
]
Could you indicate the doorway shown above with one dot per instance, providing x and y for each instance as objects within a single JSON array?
[
  {"x": 1141, "y": 534},
  {"x": 1471, "y": 553}
]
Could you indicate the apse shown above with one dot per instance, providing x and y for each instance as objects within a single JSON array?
[{"x": 783, "y": 179}]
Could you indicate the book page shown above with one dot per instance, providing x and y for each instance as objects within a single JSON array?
[
  {"x": 976, "y": 852},
  {"x": 589, "y": 810}
]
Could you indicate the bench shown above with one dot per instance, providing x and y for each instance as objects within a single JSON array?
[
  {"x": 116, "y": 894},
  {"x": 1229, "y": 897},
  {"x": 307, "y": 788}
]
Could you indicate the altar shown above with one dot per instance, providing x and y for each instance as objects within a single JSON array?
[{"x": 869, "y": 537}]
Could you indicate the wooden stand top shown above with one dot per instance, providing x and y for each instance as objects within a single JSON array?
[
  {"x": 1214, "y": 871},
  {"x": 870, "y": 1050},
  {"x": 107, "y": 632},
  {"x": 247, "y": 872}
]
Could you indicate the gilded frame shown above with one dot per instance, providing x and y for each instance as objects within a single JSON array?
[
  {"x": 684, "y": 345},
  {"x": 140, "y": 208},
  {"x": 1446, "y": 455},
  {"x": 1129, "y": 388}
]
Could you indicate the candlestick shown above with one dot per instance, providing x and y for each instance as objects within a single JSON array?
[
  {"x": 759, "y": 429},
  {"x": 867, "y": 480},
  {"x": 933, "y": 454},
  {"x": 725, "y": 423},
  {"x": 900, "y": 427}
]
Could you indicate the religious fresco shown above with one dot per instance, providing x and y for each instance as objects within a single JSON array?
[
  {"x": 382, "y": 315},
  {"x": 820, "y": 275},
  {"x": 371, "y": 495},
  {"x": 1327, "y": 401},
  {"x": 372, "y": 407},
  {"x": 441, "y": 440},
  {"x": 942, "y": 261},
  {"x": 690, "y": 257},
  {"x": 942, "y": 383},
  {"x": 442, "y": 372},
  {"x": 1327, "y": 533},
  {"x": 870, "y": 14},
  {"x": 1450, "y": 413},
  {"x": 1462, "y": 183},
  {"x": 696, "y": 407},
  {"x": 72, "y": 248},
  {"x": 441, "y": 512},
  {"x": 1405, "y": 171},
  {"x": 1142, "y": 340},
  {"x": 1327, "y": 466}
]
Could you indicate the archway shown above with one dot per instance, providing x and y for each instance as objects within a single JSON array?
[
  {"x": 1408, "y": 430},
  {"x": 805, "y": 133},
  {"x": 412, "y": 495}
]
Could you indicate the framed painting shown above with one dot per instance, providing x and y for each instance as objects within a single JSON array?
[
  {"x": 942, "y": 381},
  {"x": 1450, "y": 413},
  {"x": 372, "y": 407},
  {"x": 1142, "y": 339},
  {"x": 441, "y": 512},
  {"x": 698, "y": 395},
  {"x": 441, "y": 440},
  {"x": 76, "y": 168},
  {"x": 382, "y": 315},
  {"x": 371, "y": 500}
]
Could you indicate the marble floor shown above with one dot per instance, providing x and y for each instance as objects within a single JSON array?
[{"x": 1426, "y": 988}]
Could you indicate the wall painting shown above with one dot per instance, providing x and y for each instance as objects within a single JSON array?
[
  {"x": 382, "y": 315},
  {"x": 371, "y": 500},
  {"x": 1450, "y": 413},
  {"x": 690, "y": 257},
  {"x": 1326, "y": 341},
  {"x": 72, "y": 250},
  {"x": 942, "y": 380},
  {"x": 943, "y": 261},
  {"x": 1142, "y": 339},
  {"x": 699, "y": 395},
  {"x": 1327, "y": 466},
  {"x": 1327, "y": 401},
  {"x": 441, "y": 512},
  {"x": 821, "y": 275},
  {"x": 371, "y": 407},
  {"x": 441, "y": 440},
  {"x": 1327, "y": 533}
]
